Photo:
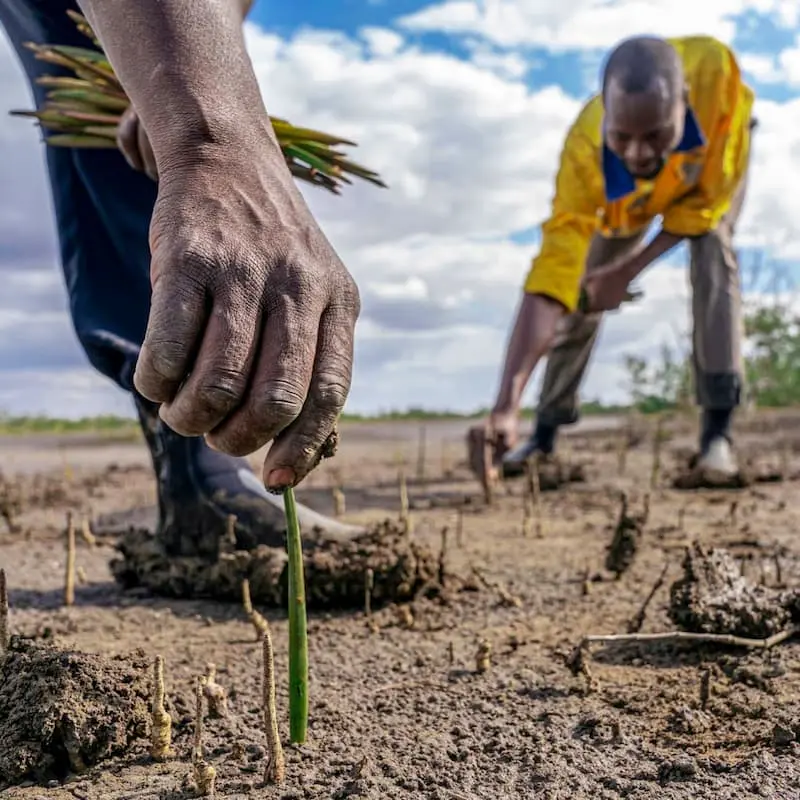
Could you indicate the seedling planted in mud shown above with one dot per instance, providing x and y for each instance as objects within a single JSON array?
[
  {"x": 298, "y": 630},
  {"x": 658, "y": 439},
  {"x": 483, "y": 657},
  {"x": 3, "y": 612},
  {"x": 369, "y": 585},
  {"x": 405, "y": 514},
  {"x": 275, "y": 771},
  {"x": 421, "y": 456},
  {"x": 161, "y": 733},
  {"x": 86, "y": 533},
  {"x": 69, "y": 581},
  {"x": 258, "y": 622},
  {"x": 216, "y": 695},
  {"x": 533, "y": 499},
  {"x": 205, "y": 776},
  {"x": 339, "y": 502}
]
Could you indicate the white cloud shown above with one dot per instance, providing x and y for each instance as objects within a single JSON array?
[
  {"x": 469, "y": 152},
  {"x": 582, "y": 24}
]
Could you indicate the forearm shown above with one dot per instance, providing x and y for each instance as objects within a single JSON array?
[
  {"x": 660, "y": 245},
  {"x": 530, "y": 339},
  {"x": 184, "y": 66}
]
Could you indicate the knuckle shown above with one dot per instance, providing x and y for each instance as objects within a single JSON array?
[
  {"x": 165, "y": 359},
  {"x": 218, "y": 395},
  {"x": 277, "y": 406},
  {"x": 330, "y": 392}
]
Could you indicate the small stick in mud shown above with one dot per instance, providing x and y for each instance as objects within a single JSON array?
[
  {"x": 490, "y": 474},
  {"x": 275, "y": 771},
  {"x": 733, "y": 509},
  {"x": 658, "y": 437},
  {"x": 578, "y": 664},
  {"x": 161, "y": 733},
  {"x": 216, "y": 695},
  {"x": 785, "y": 463},
  {"x": 205, "y": 776},
  {"x": 586, "y": 583},
  {"x": 483, "y": 658},
  {"x": 636, "y": 623},
  {"x": 674, "y": 637},
  {"x": 69, "y": 580},
  {"x": 622, "y": 452},
  {"x": 86, "y": 533},
  {"x": 459, "y": 527},
  {"x": 534, "y": 492},
  {"x": 445, "y": 456},
  {"x": 443, "y": 557},
  {"x": 405, "y": 515},
  {"x": 681, "y": 517},
  {"x": 421, "y": 456},
  {"x": 451, "y": 654},
  {"x": 3, "y": 612},
  {"x": 705, "y": 688},
  {"x": 339, "y": 502},
  {"x": 527, "y": 512},
  {"x": 369, "y": 585},
  {"x": 405, "y": 617},
  {"x": 258, "y": 622},
  {"x": 778, "y": 571},
  {"x": 230, "y": 530}
]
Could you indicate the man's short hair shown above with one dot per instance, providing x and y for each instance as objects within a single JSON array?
[{"x": 639, "y": 64}]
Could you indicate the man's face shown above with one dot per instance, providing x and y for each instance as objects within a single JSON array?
[{"x": 643, "y": 128}]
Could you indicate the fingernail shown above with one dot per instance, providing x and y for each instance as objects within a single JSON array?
[{"x": 280, "y": 479}]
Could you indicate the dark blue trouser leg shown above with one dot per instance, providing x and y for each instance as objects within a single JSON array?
[{"x": 102, "y": 209}]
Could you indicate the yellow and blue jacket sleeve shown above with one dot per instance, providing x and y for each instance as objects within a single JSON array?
[{"x": 557, "y": 270}]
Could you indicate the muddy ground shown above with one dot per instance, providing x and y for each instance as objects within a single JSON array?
[{"x": 402, "y": 712}]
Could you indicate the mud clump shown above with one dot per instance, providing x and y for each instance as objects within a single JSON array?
[
  {"x": 712, "y": 596},
  {"x": 627, "y": 538},
  {"x": 334, "y": 570},
  {"x": 64, "y": 711}
]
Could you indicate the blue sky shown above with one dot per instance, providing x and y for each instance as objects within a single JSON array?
[{"x": 462, "y": 106}]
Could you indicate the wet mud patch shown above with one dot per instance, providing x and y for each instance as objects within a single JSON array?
[
  {"x": 335, "y": 571},
  {"x": 63, "y": 711}
]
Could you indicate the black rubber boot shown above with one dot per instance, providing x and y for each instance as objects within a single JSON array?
[
  {"x": 199, "y": 488},
  {"x": 542, "y": 440}
]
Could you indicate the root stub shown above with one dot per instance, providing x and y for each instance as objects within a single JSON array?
[
  {"x": 63, "y": 711},
  {"x": 334, "y": 570}
]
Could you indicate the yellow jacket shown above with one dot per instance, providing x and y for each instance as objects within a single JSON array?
[{"x": 594, "y": 193}]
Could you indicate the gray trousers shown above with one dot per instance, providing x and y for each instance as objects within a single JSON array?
[{"x": 717, "y": 335}]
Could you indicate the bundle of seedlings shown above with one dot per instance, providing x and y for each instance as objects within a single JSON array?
[{"x": 83, "y": 109}]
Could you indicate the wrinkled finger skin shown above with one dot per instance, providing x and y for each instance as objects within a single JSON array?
[{"x": 251, "y": 331}]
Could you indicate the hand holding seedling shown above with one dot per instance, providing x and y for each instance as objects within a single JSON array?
[{"x": 251, "y": 326}]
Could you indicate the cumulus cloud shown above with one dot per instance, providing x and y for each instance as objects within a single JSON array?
[
  {"x": 586, "y": 24},
  {"x": 469, "y": 150}
]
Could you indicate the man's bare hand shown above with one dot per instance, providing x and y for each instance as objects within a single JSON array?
[
  {"x": 250, "y": 335},
  {"x": 606, "y": 288},
  {"x": 134, "y": 144}
]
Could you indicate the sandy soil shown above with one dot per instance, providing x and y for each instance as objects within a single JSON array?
[{"x": 402, "y": 712}]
